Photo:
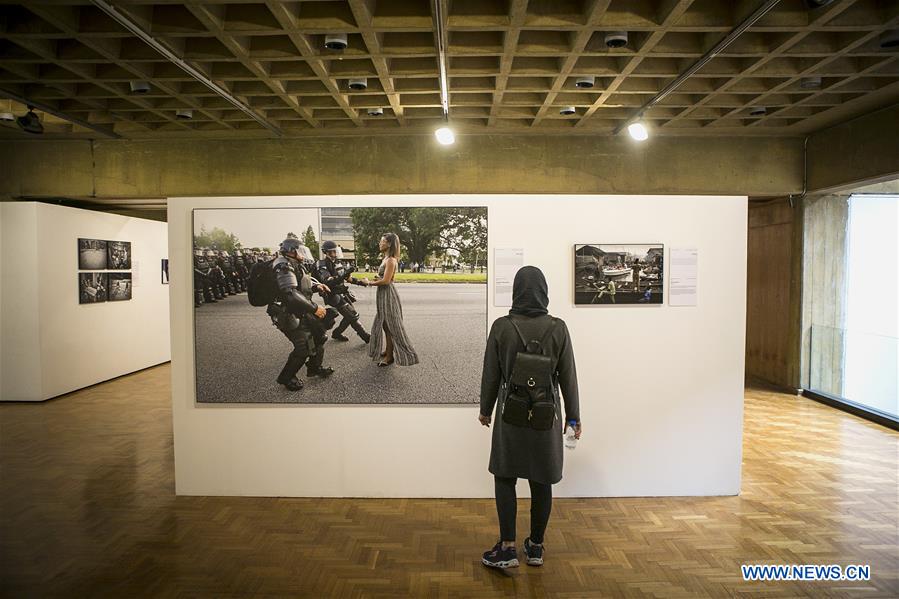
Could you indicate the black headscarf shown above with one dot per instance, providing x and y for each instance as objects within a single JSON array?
[{"x": 529, "y": 292}]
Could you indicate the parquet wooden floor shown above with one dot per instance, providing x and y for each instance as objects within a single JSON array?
[{"x": 87, "y": 509}]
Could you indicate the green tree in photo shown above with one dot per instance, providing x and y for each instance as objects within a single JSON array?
[
  {"x": 423, "y": 232},
  {"x": 217, "y": 238},
  {"x": 310, "y": 242}
]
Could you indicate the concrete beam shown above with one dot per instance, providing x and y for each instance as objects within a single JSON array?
[
  {"x": 861, "y": 151},
  {"x": 413, "y": 164}
]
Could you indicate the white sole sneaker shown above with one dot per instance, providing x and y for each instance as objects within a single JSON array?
[{"x": 512, "y": 563}]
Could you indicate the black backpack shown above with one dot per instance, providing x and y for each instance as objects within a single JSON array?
[
  {"x": 262, "y": 287},
  {"x": 530, "y": 397}
]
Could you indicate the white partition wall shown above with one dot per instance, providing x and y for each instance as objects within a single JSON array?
[
  {"x": 51, "y": 344},
  {"x": 661, "y": 387}
]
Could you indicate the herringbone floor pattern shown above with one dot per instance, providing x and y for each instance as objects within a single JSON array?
[{"x": 87, "y": 509}]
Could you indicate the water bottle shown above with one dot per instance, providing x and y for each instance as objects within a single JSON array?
[{"x": 570, "y": 439}]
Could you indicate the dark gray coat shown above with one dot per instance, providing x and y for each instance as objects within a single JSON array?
[{"x": 524, "y": 452}]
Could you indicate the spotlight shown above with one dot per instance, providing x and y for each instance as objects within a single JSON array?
[
  {"x": 139, "y": 87},
  {"x": 445, "y": 136},
  {"x": 7, "y": 116},
  {"x": 375, "y": 112},
  {"x": 568, "y": 111},
  {"x": 810, "y": 83},
  {"x": 585, "y": 82},
  {"x": 336, "y": 41},
  {"x": 616, "y": 39},
  {"x": 185, "y": 114},
  {"x": 889, "y": 39},
  {"x": 30, "y": 123},
  {"x": 817, "y": 3},
  {"x": 638, "y": 131},
  {"x": 758, "y": 111},
  {"x": 358, "y": 84}
]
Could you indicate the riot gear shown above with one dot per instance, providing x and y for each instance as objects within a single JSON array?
[
  {"x": 335, "y": 274},
  {"x": 293, "y": 314},
  {"x": 204, "y": 287}
]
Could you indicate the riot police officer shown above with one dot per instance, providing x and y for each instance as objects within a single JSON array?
[
  {"x": 297, "y": 316},
  {"x": 202, "y": 284},
  {"x": 335, "y": 274}
]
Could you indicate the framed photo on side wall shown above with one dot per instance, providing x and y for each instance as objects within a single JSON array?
[{"x": 607, "y": 274}]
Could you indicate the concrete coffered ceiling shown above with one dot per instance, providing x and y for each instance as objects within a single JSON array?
[{"x": 511, "y": 66}]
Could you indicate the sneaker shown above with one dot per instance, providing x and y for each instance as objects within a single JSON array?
[
  {"x": 323, "y": 372},
  {"x": 533, "y": 552},
  {"x": 500, "y": 558},
  {"x": 294, "y": 384}
]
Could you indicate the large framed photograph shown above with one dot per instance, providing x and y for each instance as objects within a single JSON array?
[
  {"x": 92, "y": 287},
  {"x": 618, "y": 274},
  {"x": 434, "y": 313},
  {"x": 91, "y": 254},
  {"x": 119, "y": 253},
  {"x": 119, "y": 286}
]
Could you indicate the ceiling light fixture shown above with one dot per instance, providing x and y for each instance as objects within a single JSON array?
[
  {"x": 375, "y": 112},
  {"x": 585, "y": 82},
  {"x": 445, "y": 136},
  {"x": 358, "y": 84},
  {"x": 758, "y": 111},
  {"x": 336, "y": 41},
  {"x": 638, "y": 131},
  {"x": 185, "y": 114},
  {"x": 616, "y": 39},
  {"x": 568, "y": 110},
  {"x": 810, "y": 83},
  {"x": 139, "y": 87},
  {"x": 30, "y": 122}
]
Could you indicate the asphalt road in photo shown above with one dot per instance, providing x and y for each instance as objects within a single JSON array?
[{"x": 239, "y": 352}]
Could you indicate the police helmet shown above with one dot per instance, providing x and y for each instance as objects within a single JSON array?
[{"x": 328, "y": 246}]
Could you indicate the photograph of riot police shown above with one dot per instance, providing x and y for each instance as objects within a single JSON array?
[
  {"x": 336, "y": 275},
  {"x": 285, "y": 299}
]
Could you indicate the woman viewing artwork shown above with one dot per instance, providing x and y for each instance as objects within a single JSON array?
[
  {"x": 523, "y": 451},
  {"x": 388, "y": 322}
]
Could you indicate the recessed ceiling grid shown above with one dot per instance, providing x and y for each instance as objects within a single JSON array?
[{"x": 512, "y": 65}]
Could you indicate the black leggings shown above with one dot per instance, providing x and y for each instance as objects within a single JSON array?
[{"x": 507, "y": 506}]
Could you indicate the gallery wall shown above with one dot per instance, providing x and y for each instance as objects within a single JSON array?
[
  {"x": 52, "y": 344},
  {"x": 661, "y": 386}
]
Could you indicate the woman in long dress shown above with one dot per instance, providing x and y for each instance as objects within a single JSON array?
[{"x": 388, "y": 322}]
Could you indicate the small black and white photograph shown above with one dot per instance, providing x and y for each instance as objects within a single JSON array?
[
  {"x": 165, "y": 271},
  {"x": 401, "y": 296},
  {"x": 119, "y": 255},
  {"x": 92, "y": 287},
  {"x": 119, "y": 286},
  {"x": 91, "y": 254},
  {"x": 618, "y": 274}
]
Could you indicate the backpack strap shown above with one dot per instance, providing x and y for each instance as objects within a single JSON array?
[{"x": 546, "y": 334}]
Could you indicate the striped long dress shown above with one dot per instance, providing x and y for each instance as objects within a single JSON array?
[{"x": 390, "y": 313}]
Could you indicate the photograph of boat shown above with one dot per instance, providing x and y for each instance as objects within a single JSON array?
[{"x": 606, "y": 274}]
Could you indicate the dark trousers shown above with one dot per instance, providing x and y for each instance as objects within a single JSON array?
[
  {"x": 308, "y": 348},
  {"x": 350, "y": 319},
  {"x": 507, "y": 506}
]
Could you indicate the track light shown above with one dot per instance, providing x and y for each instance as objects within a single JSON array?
[
  {"x": 30, "y": 123},
  {"x": 638, "y": 131},
  {"x": 445, "y": 136}
]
